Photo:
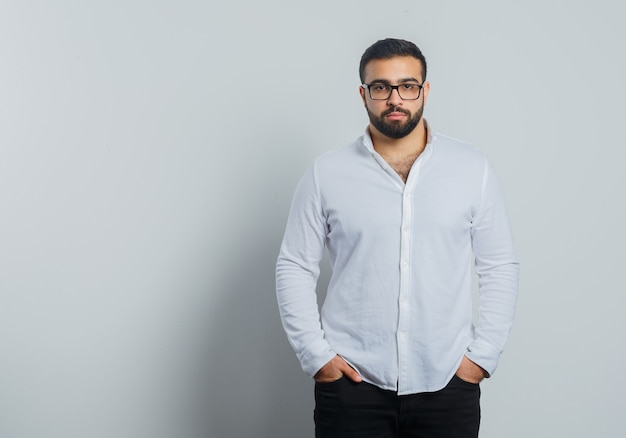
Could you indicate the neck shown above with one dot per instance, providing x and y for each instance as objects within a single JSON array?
[{"x": 397, "y": 148}]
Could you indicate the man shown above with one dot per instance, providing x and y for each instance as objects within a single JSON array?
[{"x": 402, "y": 211}]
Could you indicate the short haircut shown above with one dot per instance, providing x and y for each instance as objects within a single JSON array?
[{"x": 390, "y": 48}]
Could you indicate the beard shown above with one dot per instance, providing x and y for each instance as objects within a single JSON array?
[{"x": 396, "y": 128}]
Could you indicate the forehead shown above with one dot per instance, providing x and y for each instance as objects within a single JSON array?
[{"x": 393, "y": 69}]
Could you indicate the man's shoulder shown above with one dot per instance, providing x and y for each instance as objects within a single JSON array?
[
  {"x": 445, "y": 144},
  {"x": 341, "y": 155},
  {"x": 445, "y": 140}
]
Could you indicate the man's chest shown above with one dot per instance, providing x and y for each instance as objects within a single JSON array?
[{"x": 379, "y": 209}]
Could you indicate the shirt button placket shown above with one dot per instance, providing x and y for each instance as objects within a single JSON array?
[{"x": 404, "y": 310}]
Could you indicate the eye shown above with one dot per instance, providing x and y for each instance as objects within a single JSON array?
[
  {"x": 380, "y": 87},
  {"x": 409, "y": 87}
]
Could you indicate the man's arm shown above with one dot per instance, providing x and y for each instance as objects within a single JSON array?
[
  {"x": 297, "y": 271},
  {"x": 498, "y": 272}
]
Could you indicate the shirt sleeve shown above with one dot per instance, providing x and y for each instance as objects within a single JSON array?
[
  {"x": 297, "y": 271},
  {"x": 498, "y": 272}
]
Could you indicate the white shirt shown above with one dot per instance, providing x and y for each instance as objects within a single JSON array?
[{"x": 399, "y": 304}]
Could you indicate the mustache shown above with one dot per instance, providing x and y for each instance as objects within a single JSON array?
[{"x": 396, "y": 109}]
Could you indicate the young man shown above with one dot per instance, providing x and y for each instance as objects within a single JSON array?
[{"x": 402, "y": 211}]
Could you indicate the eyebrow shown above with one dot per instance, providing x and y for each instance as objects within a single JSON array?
[{"x": 401, "y": 81}]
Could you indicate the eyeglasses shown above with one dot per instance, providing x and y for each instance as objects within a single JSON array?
[{"x": 380, "y": 91}]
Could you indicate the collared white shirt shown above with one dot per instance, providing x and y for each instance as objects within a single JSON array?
[{"x": 399, "y": 303}]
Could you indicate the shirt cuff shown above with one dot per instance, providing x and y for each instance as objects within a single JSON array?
[
  {"x": 316, "y": 357},
  {"x": 484, "y": 355}
]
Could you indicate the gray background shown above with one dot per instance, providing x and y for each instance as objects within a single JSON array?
[{"x": 148, "y": 154}]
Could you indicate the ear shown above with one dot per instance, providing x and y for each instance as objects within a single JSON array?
[
  {"x": 362, "y": 93},
  {"x": 426, "y": 90}
]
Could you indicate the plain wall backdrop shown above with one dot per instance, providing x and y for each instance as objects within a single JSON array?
[{"x": 148, "y": 154}]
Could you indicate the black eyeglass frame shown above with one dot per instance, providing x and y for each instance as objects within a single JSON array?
[{"x": 391, "y": 88}]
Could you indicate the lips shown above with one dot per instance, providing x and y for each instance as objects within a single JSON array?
[{"x": 396, "y": 114}]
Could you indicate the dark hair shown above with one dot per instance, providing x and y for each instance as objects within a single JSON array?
[{"x": 389, "y": 48}]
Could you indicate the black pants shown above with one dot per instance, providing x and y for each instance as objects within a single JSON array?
[{"x": 359, "y": 410}]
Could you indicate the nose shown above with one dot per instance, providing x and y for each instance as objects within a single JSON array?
[{"x": 395, "y": 98}]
